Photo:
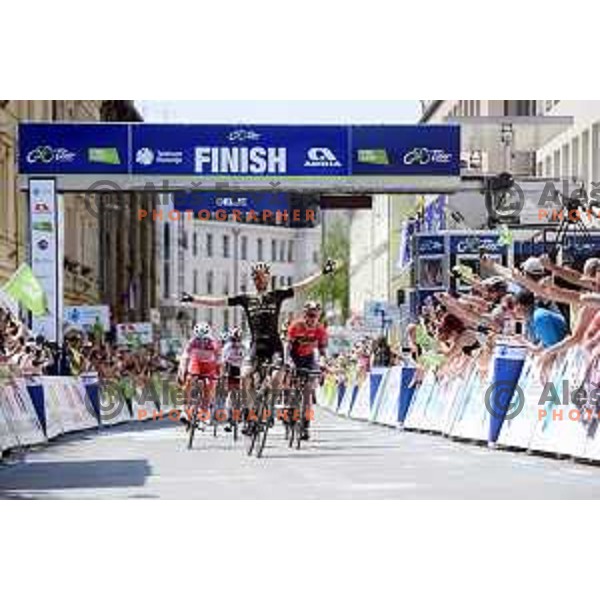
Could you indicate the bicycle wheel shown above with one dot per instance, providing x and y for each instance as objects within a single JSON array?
[
  {"x": 194, "y": 421},
  {"x": 265, "y": 420}
]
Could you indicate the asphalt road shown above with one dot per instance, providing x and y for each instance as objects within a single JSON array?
[{"x": 345, "y": 460}]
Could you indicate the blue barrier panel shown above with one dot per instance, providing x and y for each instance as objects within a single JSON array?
[
  {"x": 36, "y": 393},
  {"x": 406, "y": 393},
  {"x": 340, "y": 395},
  {"x": 92, "y": 388},
  {"x": 508, "y": 364},
  {"x": 375, "y": 377},
  {"x": 354, "y": 394}
]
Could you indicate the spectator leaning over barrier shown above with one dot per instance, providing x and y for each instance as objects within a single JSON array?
[{"x": 543, "y": 326}]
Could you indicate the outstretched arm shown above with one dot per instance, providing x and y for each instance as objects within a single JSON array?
[
  {"x": 570, "y": 275},
  {"x": 328, "y": 269},
  {"x": 204, "y": 300},
  {"x": 546, "y": 291}
]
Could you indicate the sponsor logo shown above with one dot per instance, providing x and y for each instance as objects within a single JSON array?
[
  {"x": 43, "y": 226},
  {"x": 105, "y": 156},
  {"x": 232, "y": 202},
  {"x": 40, "y": 208},
  {"x": 48, "y": 154},
  {"x": 146, "y": 157},
  {"x": 243, "y": 135},
  {"x": 321, "y": 157},
  {"x": 474, "y": 244},
  {"x": 426, "y": 156},
  {"x": 43, "y": 244}
]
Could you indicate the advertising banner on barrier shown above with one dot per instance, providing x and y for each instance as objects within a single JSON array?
[
  {"x": 8, "y": 438},
  {"x": 19, "y": 412},
  {"x": 66, "y": 400}
]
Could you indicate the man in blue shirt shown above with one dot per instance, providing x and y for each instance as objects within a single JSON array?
[{"x": 543, "y": 325}]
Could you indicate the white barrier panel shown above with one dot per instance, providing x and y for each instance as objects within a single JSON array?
[
  {"x": 113, "y": 406},
  {"x": 19, "y": 414},
  {"x": 8, "y": 439},
  {"x": 346, "y": 404},
  {"x": 416, "y": 414},
  {"x": 438, "y": 410},
  {"x": 518, "y": 431},
  {"x": 67, "y": 395},
  {"x": 361, "y": 408},
  {"x": 385, "y": 407},
  {"x": 562, "y": 430},
  {"x": 471, "y": 418}
]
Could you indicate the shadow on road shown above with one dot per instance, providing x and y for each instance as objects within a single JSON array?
[{"x": 16, "y": 480}]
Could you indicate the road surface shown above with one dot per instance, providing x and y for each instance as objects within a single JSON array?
[{"x": 346, "y": 460}]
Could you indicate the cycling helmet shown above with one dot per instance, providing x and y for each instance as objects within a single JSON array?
[
  {"x": 201, "y": 330},
  {"x": 235, "y": 334},
  {"x": 224, "y": 336},
  {"x": 312, "y": 306},
  {"x": 261, "y": 267}
]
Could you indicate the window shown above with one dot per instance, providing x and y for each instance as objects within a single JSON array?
[
  {"x": 209, "y": 244},
  {"x": 575, "y": 169},
  {"x": 282, "y": 281},
  {"x": 548, "y": 167},
  {"x": 210, "y": 315},
  {"x": 585, "y": 156},
  {"x": 195, "y": 281},
  {"x": 244, "y": 250},
  {"x": 167, "y": 241},
  {"x": 226, "y": 319},
  {"x": 596, "y": 152},
  {"x": 478, "y": 108},
  {"x": 540, "y": 169},
  {"x": 259, "y": 249},
  {"x": 244, "y": 283},
  {"x": 472, "y": 107},
  {"x": 557, "y": 164},
  {"x": 225, "y": 246},
  {"x": 273, "y": 282},
  {"x": 565, "y": 160},
  {"x": 225, "y": 284},
  {"x": 273, "y": 250},
  {"x": 209, "y": 282},
  {"x": 290, "y": 281},
  {"x": 195, "y": 244},
  {"x": 282, "y": 251},
  {"x": 166, "y": 281},
  {"x": 290, "y": 256}
]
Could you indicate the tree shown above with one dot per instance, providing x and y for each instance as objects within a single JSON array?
[{"x": 335, "y": 289}]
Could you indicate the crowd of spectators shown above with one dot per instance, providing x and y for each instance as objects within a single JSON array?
[{"x": 23, "y": 354}]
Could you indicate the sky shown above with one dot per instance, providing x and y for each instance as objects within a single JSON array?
[{"x": 279, "y": 111}]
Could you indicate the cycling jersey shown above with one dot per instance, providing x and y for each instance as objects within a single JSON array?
[
  {"x": 262, "y": 313},
  {"x": 201, "y": 357},
  {"x": 233, "y": 354},
  {"x": 304, "y": 339}
]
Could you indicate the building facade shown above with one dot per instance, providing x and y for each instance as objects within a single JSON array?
[{"x": 109, "y": 255}]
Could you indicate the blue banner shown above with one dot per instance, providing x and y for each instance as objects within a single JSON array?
[
  {"x": 406, "y": 150},
  {"x": 239, "y": 150},
  {"x": 429, "y": 245},
  {"x": 474, "y": 244},
  {"x": 230, "y": 201},
  {"x": 73, "y": 148},
  {"x": 248, "y": 151}
]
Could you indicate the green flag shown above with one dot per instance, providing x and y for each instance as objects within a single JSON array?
[{"x": 24, "y": 287}]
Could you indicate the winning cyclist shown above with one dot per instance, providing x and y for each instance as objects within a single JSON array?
[
  {"x": 200, "y": 360},
  {"x": 262, "y": 311},
  {"x": 307, "y": 337}
]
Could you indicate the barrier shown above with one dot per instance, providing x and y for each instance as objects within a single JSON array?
[
  {"x": 407, "y": 392},
  {"x": 415, "y": 418},
  {"x": 348, "y": 399},
  {"x": 471, "y": 418},
  {"x": 508, "y": 364},
  {"x": 67, "y": 396},
  {"x": 19, "y": 414},
  {"x": 361, "y": 405},
  {"x": 8, "y": 439},
  {"x": 385, "y": 407},
  {"x": 113, "y": 405},
  {"x": 92, "y": 389}
]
